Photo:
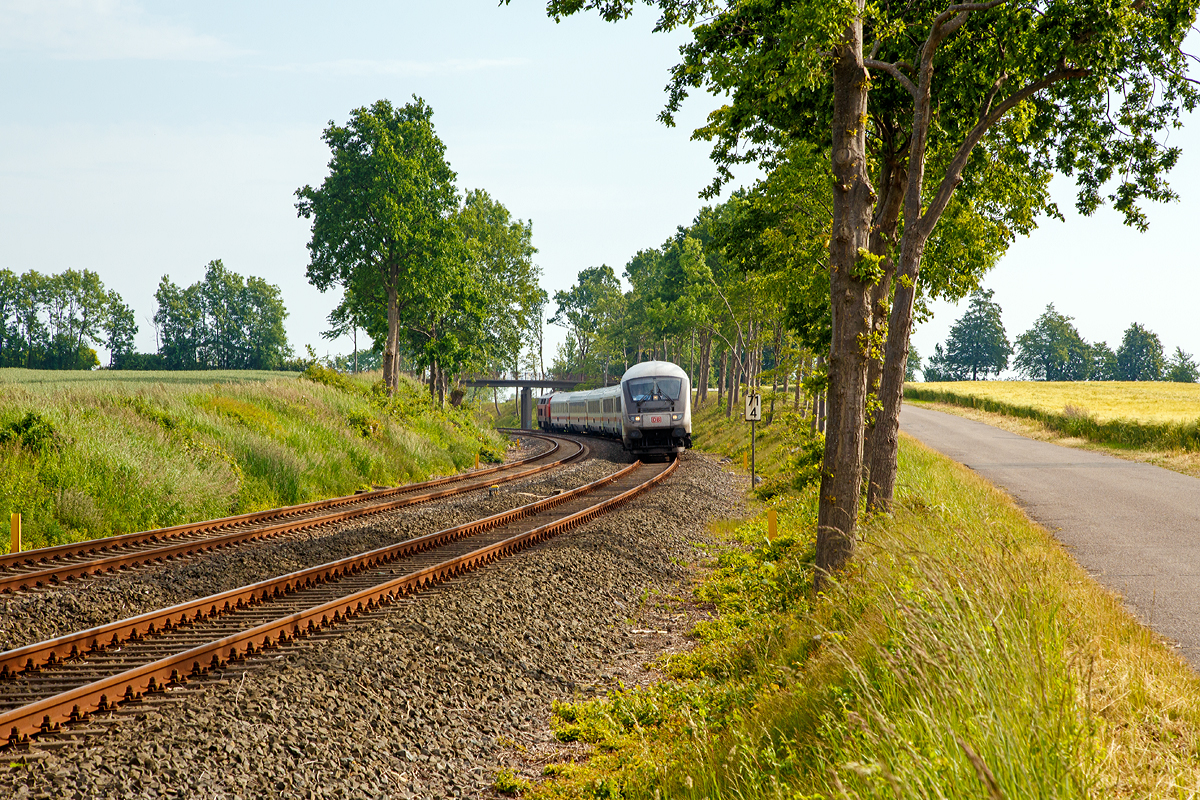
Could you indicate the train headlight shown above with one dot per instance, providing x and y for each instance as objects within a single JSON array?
[
  {"x": 637, "y": 418},
  {"x": 676, "y": 417}
]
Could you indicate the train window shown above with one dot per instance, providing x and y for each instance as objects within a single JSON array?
[
  {"x": 608, "y": 405},
  {"x": 578, "y": 407},
  {"x": 655, "y": 389},
  {"x": 618, "y": 408},
  {"x": 593, "y": 406}
]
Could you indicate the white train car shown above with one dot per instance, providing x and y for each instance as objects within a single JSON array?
[{"x": 649, "y": 411}]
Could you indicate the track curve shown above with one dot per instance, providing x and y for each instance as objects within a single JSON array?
[{"x": 67, "y": 679}]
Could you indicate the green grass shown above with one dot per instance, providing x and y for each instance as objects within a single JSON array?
[
  {"x": 963, "y": 654},
  {"x": 1157, "y": 416},
  {"x": 140, "y": 378},
  {"x": 83, "y": 459}
]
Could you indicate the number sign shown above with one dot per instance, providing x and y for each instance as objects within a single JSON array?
[{"x": 754, "y": 408}]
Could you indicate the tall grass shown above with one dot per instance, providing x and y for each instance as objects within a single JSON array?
[
  {"x": 963, "y": 654},
  {"x": 92, "y": 458},
  {"x": 1148, "y": 415}
]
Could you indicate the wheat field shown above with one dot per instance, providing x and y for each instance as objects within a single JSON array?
[{"x": 1104, "y": 401}]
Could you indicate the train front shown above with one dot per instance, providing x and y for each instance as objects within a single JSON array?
[{"x": 657, "y": 415}]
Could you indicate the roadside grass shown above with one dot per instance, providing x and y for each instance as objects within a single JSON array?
[
  {"x": 963, "y": 653},
  {"x": 1147, "y": 415},
  {"x": 1186, "y": 462},
  {"x": 93, "y": 458}
]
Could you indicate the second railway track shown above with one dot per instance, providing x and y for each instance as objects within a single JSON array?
[
  {"x": 49, "y": 566},
  {"x": 71, "y": 677}
]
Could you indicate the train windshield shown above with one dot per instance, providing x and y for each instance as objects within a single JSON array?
[{"x": 646, "y": 389}]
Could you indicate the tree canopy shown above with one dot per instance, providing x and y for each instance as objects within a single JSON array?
[
  {"x": 222, "y": 322},
  {"x": 381, "y": 220}
]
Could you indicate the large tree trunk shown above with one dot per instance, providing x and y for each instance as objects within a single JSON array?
[
  {"x": 390, "y": 379},
  {"x": 854, "y": 198}
]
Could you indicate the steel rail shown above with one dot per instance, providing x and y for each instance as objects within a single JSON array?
[
  {"x": 76, "y": 645},
  {"x": 106, "y": 694},
  {"x": 58, "y": 573}
]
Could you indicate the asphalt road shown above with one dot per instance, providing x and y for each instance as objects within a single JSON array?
[{"x": 1134, "y": 527}]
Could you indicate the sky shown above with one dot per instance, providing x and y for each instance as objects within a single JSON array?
[{"x": 143, "y": 139}]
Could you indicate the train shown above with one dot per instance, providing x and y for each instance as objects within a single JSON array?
[{"x": 650, "y": 410}]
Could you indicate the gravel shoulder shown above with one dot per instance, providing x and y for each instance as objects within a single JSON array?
[{"x": 427, "y": 698}]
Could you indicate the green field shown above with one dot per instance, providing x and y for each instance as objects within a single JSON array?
[
  {"x": 86, "y": 455},
  {"x": 138, "y": 378},
  {"x": 1150, "y": 415}
]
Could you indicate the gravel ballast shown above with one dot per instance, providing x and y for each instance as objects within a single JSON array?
[{"x": 427, "y": 698}]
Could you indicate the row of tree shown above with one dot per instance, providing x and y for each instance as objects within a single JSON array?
[
  {"x": 222, "y": 322},
  {"x": 441, "y": 282},
  {"x": 925, "y": 116},
  {"x": 57, "y": 321},
  {"x": 1051, "y": 350}
]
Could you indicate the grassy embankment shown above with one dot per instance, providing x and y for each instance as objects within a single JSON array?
[
  {"x": 91, "y": 454},
  {"x": 963, "y": 654}
]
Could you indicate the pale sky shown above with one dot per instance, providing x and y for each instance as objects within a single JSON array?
[{"x": 147, "y": 138}]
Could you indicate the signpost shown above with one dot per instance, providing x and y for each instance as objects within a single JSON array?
[{"x": 753, "y": 415}]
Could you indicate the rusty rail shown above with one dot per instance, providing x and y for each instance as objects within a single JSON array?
[{"x": 103, "y": 695}]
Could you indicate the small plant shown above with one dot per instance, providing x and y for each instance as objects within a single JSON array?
[
  {"x": 330, "y": 377},
  {"x": 1074, "y": 412},
  {"x": 366, "y": 425},
  {"x": 507, "y": 782},
  {"x": 33, "y": 432}
]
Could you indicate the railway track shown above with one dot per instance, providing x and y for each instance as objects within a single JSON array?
[
  {"x": 68, "y": 679},
  {"x": 52, "y": 565}
]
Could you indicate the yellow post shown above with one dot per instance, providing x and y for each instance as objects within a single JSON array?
[
  {"x": 772, "y": 524},
  {"x": 15, "y": 547},
  {"x": 477, "y": 461}
]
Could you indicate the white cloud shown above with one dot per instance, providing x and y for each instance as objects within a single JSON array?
[
  {"x": 89, "y": 30},
  {"x": 354, "y": 67}
]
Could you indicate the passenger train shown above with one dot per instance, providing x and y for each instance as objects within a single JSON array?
[{"x": 649, "y": 410}]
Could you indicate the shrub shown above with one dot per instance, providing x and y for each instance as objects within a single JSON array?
[{"x": 33, "y": 432}]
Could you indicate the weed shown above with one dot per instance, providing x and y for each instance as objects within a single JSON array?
[
  {"x": 32, "y": 432},
  {"x": 509, "y": 783}
]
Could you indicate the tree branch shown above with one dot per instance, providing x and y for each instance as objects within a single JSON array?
[
  {"x": 954, "y": 171},
  {"x": 894, "y": 71}
]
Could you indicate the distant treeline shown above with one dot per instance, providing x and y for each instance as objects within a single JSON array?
[
  {"x": 223, "y": 322},
  {"x": 1051, "y": 350}
]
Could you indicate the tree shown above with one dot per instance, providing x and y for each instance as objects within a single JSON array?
[
  {"x": 222, "y": 322},
  {"x": 1182, "y": 368},
  {"x": 1140, "y": 356},
  {"x": 939, "y": 369},
  {"x": 582, "y": 309},
  {"x": 1104, "y": 363},
  {"x": 914, "y": 364},
  {"x": 120, "y": 326},
  {"x": 1051, "y": 63},
  {"x": 1053, "y": 350},
  {"x": 381, "y": 218},
  {"x": 499, "y": 253},
  {"x": 977, "y": 343}
]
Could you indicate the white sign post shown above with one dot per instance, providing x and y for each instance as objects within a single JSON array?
[{"x": 753, "y": 415}]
